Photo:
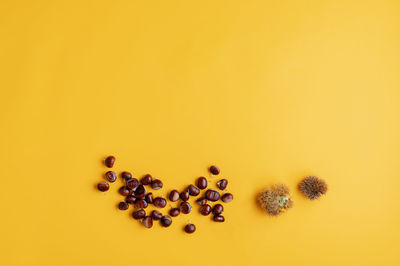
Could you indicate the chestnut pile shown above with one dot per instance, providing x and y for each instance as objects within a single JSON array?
[{"x": 136, "y": 194}]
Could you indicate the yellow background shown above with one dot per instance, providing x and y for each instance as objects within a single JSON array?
[{"x": 270, "y": 91}]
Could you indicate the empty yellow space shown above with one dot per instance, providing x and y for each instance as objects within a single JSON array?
[{"x": 270, "y": 91}]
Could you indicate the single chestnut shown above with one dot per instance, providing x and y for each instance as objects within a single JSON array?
[
  {"x": 109, "y": 161},
  {"x": 184, "y": 195},
  {"x": 174, "y": 212},
  {"x": 140, "y": 192},
  {"x": 166, "y": 221},
  {"x": 111, "y": 176},
  {"x": 132, "y": 183},
  {"x": 212, "y": 195},
  {"x": 124, "y": 191},
  {"x": 156, "y": 184},
  {"x": 227, "y": 197},
  {"x": 141, "y": 203},
  {"x": 222, "y": 184},
  {"x": 174, "y": 195},
  {"x": 205, "y": 209},
  {"x": 185, "y": 207},
  {"x": 202, "y": 182},
  {"x": 214, "y": 170},
  {"x": 123, "y": 206},
  {"x": 139, "y": 214},
  {"x": 219, "y": 218},
  {"x": 146, "y": 180},
  {"x": 130, "y": 199},
  {"x": 149, "y": 198},
  {"x": 103, "y": 186},
  {"x": 193, "y": 190},
  {"x": 156, "y": 215},
  {"x": 126, "y": 175},
  {"x": 190, "y": 228},
  {"x": 160, "y": 202},
  {"x": 147, "y": 222},
  {"x": 218, "y": 209},
  {"x": 201, "y": 201}
]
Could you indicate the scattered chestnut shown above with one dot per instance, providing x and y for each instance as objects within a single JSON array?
[
  {"x": 174, "y": 195},
  {"x": 156, "y": 215},
  {"x": 147, "y": 222},
  {"x": 111, "y": 176},
  {"x": 202, "y": 182},
  {"x": 221, "y": 184},
  {"x": 124, "y": 191},
  {"x": 219, "y": 218},
  {"x": 190, "y": 228},
  {"x": 185, "y": 207},
  {"x": 174, "y": 212},
  {"x": 227, "y": 197},
  {"x": 146, "y": 180},
  {"x": 149, "y": 198},
  {"x": 132, "y": 183},
  {"x": 141, "y": 203},
  {"x": 156, "y": 184},
  {"x": 214, "y": 170},
  {"x": 123, "y": 206},
  {"x": 201, "y": 201},
  {"x": 193, "y": 190},
  {"x": 126, "y": 175},
  {"x": 218, "y": 209},
  {"x": 184, "y": 195},
  {"x": 139, "y": 214},
  {"x": 103, "y": 186},
  {"x": 130, "y": 199},
  {"x": 212, "y": 195},
  {"x": 166, "y": 221},
  {"x": 109, "y": 161},
  {"x": 159, "y": 202},
  {"x": 205, "y": 209}
]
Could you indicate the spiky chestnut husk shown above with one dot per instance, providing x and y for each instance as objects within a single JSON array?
[
  {"x": 275, "y": 200},
  {"x": 313, "y": 187}
]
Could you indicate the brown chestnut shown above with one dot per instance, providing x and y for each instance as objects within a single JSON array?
[
  {"x": 227, "y": 197},
  {"x": 103, "y": 186},
  {"x": 193, "y": 190},
  {"x": 219, "y": 218},
  {"x": 156, "y": 215},
  {"x": 201, "y": 201},
  {"x": 139, "y": 214},
  {"x": 141, "y": 203},
  {"x": 124, "y": 191},
  {"x": 174, "y": 195},
  {"x": 202, "y": 182},
  {"x": 111, "y": 176},
  {"x": 109, "y": 161},
  {"x": 212, "y": 195},
  {"x": 156, "y": 184},
  {"x": 132, "y": 183},
  {"x": 147, "y": 222},
  {"x": 190, "y": 228},
  {"x": 174, "y": 212},
  {"x": 222, "y": 184},
  {"x": 184, "y": 195},
  {"x": 159, "y": 202},
  {"x": 218, "y": 209},
  {"x": 123, "y": 206},
  {"x": 146, "y": 180},
  {"x": 205, "y": 209},
  {"x": 214, "y": 170},
  {"x": 126, "y": 175},
  {"x": 166, "y": 221},
  {"x": 185, "y": 207}
]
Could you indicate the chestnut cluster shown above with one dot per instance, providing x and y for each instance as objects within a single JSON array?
[{"x": 136, "y": 194}]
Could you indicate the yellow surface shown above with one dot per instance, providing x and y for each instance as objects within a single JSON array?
[{"x": 270, "y": 91}]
